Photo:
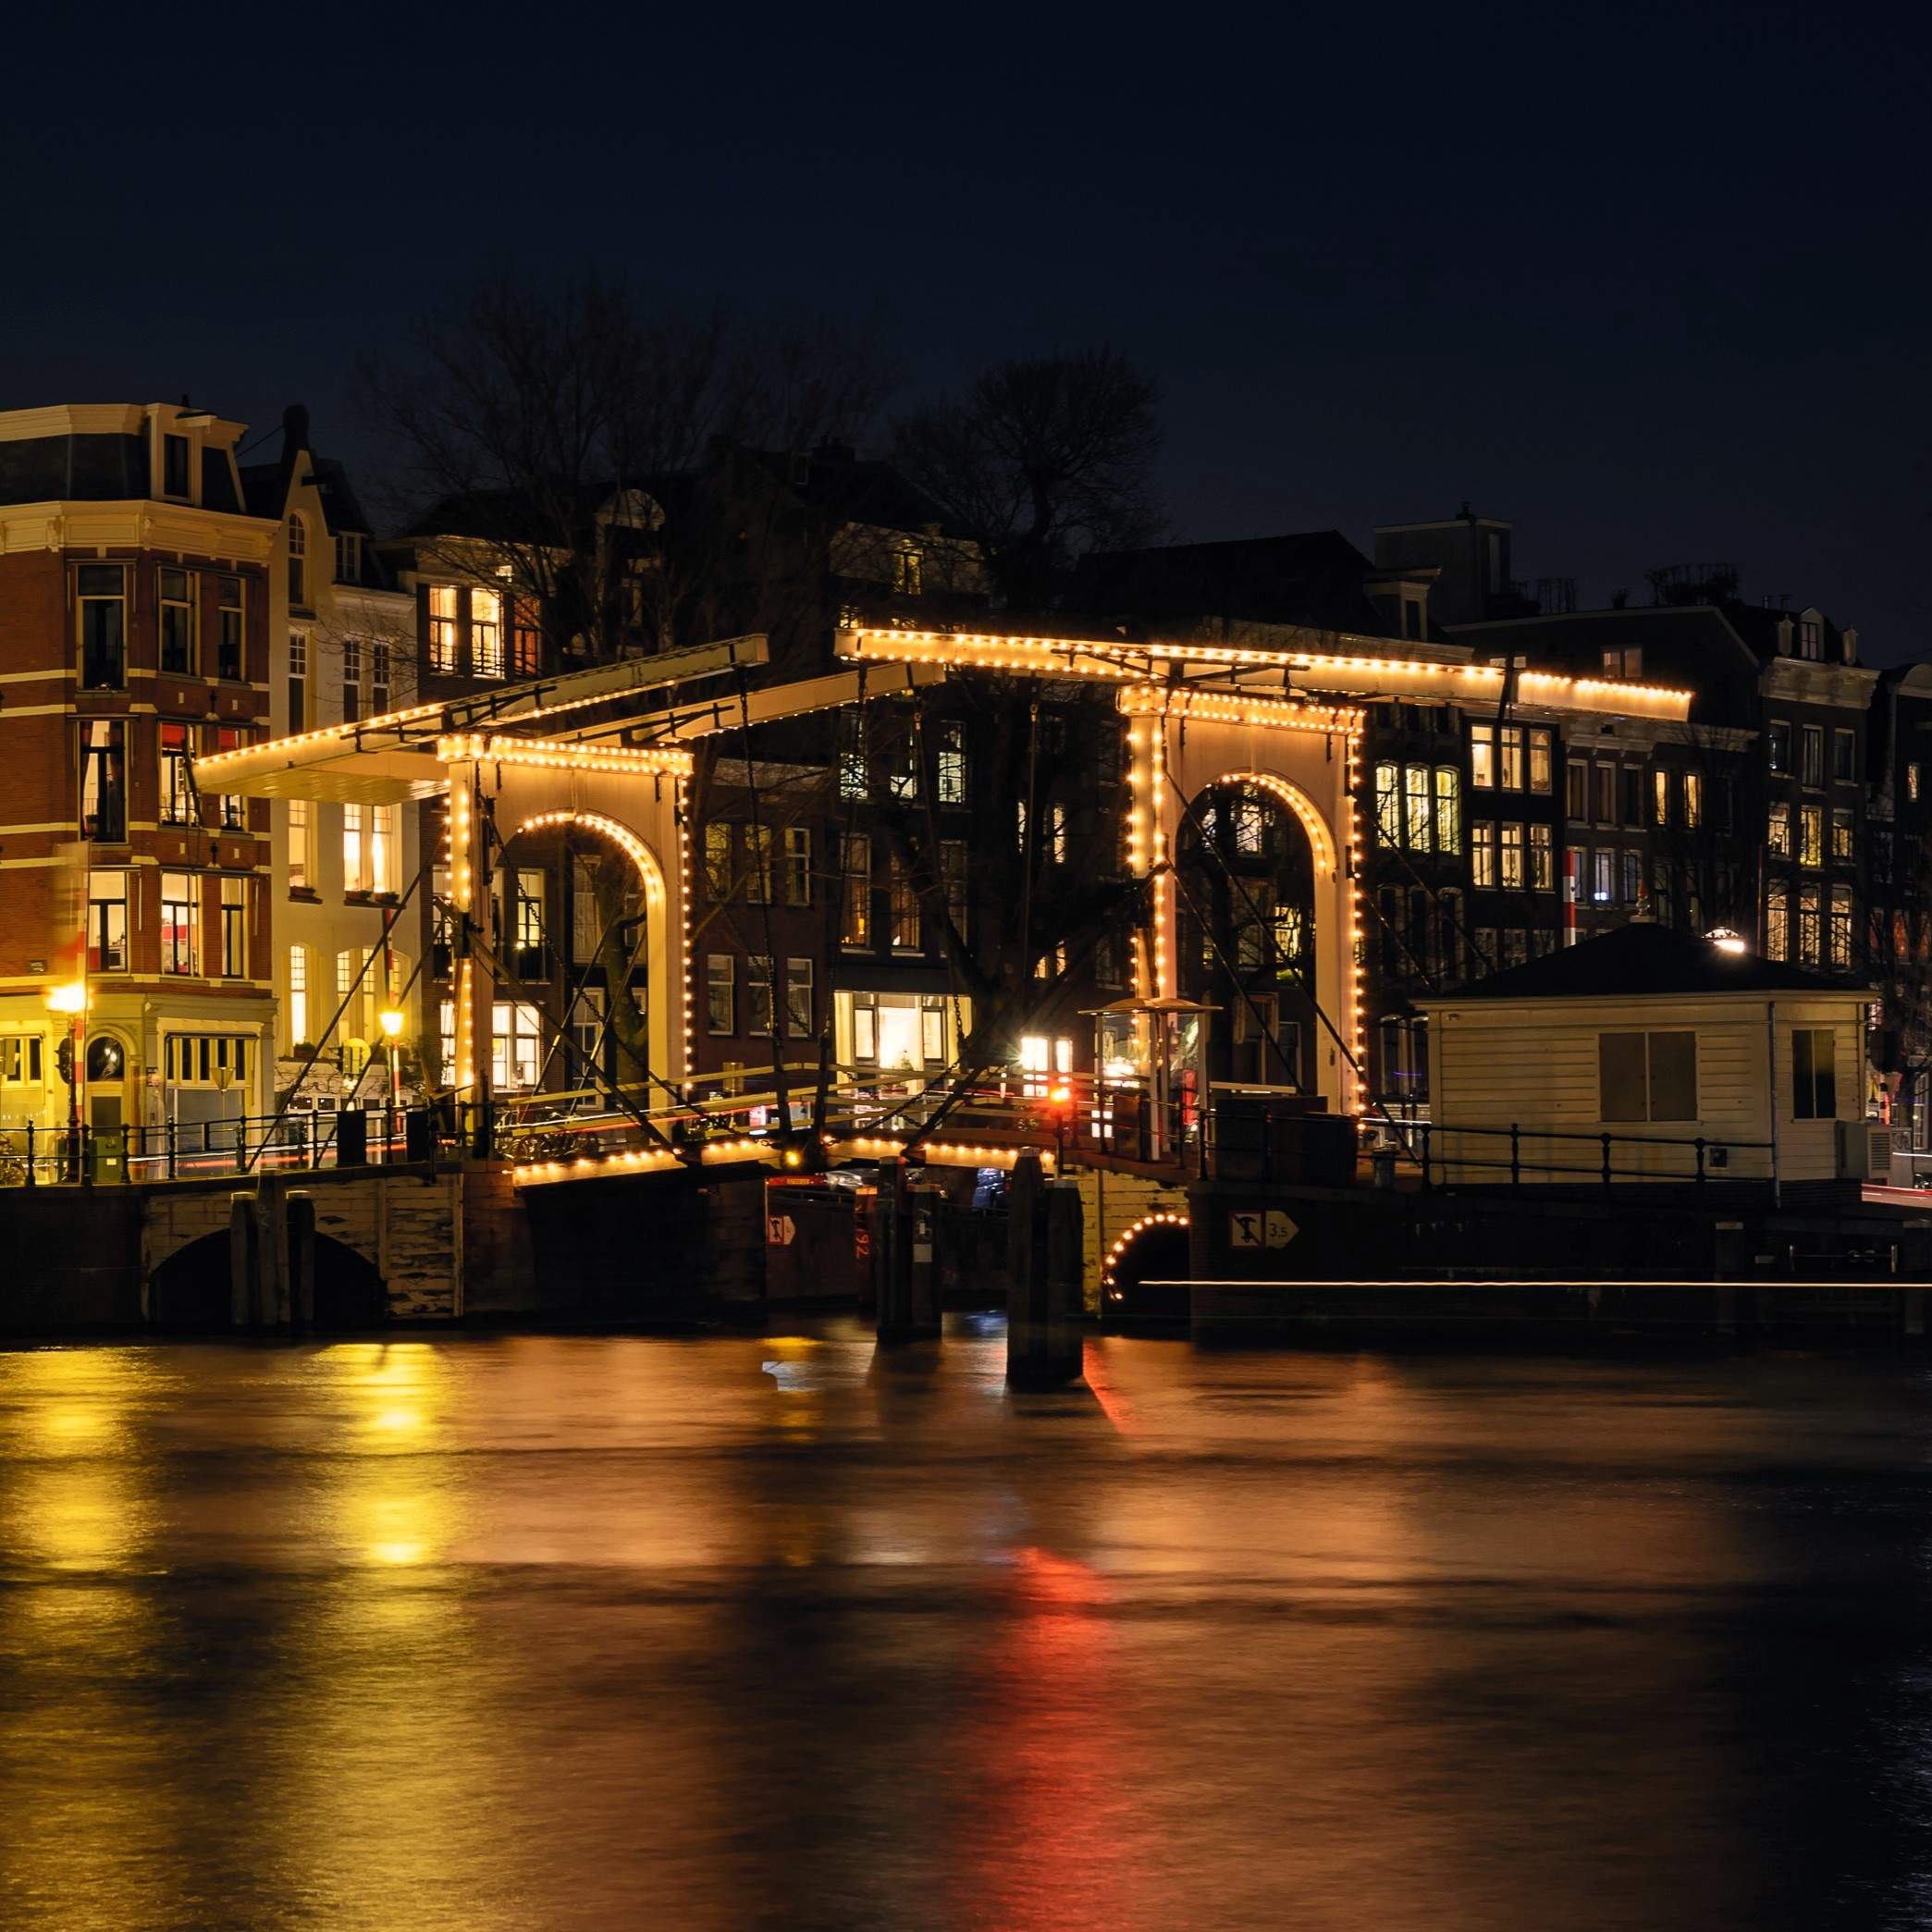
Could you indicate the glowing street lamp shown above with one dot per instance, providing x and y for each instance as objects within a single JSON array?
[
  {"x": 70, "y": 1001},
  {"x": 390, "y": 1021}
]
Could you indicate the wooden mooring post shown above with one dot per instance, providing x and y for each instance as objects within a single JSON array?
[
  {"x": 1044, "y": 1348},
  {"x": 905, "y": 1273}
]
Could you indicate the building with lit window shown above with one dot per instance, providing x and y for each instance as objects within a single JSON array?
[
  {"x": 342, "y": 647},
  {"x": 133, "y": 638}
]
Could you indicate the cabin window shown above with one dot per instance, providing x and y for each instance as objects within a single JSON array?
[
  {"x": 1647, "y": 1075},
  {"x": 1813, "y": 1074}
]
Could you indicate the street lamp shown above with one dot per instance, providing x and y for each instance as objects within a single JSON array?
[
  {"x": 391, "y": 1023},
  {"x": 71, "y": 1000}
]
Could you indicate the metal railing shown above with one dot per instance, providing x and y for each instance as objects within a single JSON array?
[
  {"x": 36, "y": 1156},
  {"x": 1517, "y": 1154}
]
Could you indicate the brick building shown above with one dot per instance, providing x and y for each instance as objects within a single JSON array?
[{"x": 132, "y": 638}]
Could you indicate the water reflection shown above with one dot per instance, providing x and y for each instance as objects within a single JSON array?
[{"x": 574, "y": 1632}]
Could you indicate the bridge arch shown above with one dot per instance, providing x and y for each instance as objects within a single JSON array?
[
  {"x": 1184, "y": 744},
  {"x": 663, "y": 962}
]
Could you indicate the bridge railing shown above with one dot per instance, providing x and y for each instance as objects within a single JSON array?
[{"x": 36, "y": 1156}]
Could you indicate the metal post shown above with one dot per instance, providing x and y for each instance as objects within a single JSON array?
[
  {"x": 29, "y": 1153},
  {"x": 173, "y": 1152},
  {"x": 1699, "y": 1159},
  {"x": 1515, "y": 1155},
  {"x": 1606, "y": 1160}
]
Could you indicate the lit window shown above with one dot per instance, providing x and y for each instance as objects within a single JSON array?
[
  {"x": 354, "y": 850},
  {"x": 1416, "y": 793},
  {"x": 1448, "y": 809},
  {"x": 1777, "y": 831},
  {"x": 1778, "y": 919},
  {"x": 1660, "y": 796},
  {"x": 181, "y": 923},
  {"x": 526, "y": 639},
  {"x": 1388, "y": 805},
  {"x": 1483, "y": 853},
  {"x": 1809, "y": 936},
  {"x": 442, "y": 627},
  {"x": 798, "y": 864},
  {"x": 1811, "y": 836},
  {"x": 298, "y": 844},
  {"x": 851, "y": 754},
  {"x": 107, "y": 922},
  {"x": 176, "y": 776},
  {"x": 1511, "y": 745},
  {"x": 1512, "y": 851},
  {"x": 103, "y": 796},
  {"x": 299, "y": 998},
  {"x": 1543, "y": 860},
  {"x": 1838, "y": 933},
  {"x": 487, "y": 634},
  {"x": 904, "y": 909},
  {"x": 951, "y": 762},
  {"x": 1540, "y": 760},
  {"x": 718, "y": 859},
  {"x": 1483, "y": 768},
  {"x": 1694, "y": 799},
  {"x": 906, "y": 572},
  {"x": 855, "y": 921}
]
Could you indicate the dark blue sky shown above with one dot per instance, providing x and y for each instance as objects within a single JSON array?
[{"x": 1652, "y": 285}]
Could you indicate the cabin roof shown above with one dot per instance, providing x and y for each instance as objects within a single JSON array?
[{"x": 1641, "y": 958}]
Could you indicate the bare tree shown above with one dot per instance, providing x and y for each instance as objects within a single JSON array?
[
  {"x": 1039, "y": 461},
  {"x": 540, "y": 431}
]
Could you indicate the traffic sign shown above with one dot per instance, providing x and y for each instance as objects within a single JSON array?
[
  {"x": 779, "y": 1230},
  {"x": 1259, "y": 1228}
]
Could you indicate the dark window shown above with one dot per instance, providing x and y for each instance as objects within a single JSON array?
[
  {"x": 1844, "y": 756},
  {"x": 1577, "y": 786},
  {"x": 1813, "y": 1074},
  {"x": 175, "y": 592},
  {"x": 175, "y": 466},
  {"x": 1778, "y": 746},
  {"x": 1647, "y": 1075},
  {"x": 228, "y": 591},
  {"x": 103, "y": 592},
  {"x": 1606, "y": 794},
  {"x": 1811, "y": 742},
  {"x": 1633, "y": 794}
]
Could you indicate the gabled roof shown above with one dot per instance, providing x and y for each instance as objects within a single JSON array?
[
  {"x": 1314, "y": 578},
  {"x": 1638, "y": 959}
]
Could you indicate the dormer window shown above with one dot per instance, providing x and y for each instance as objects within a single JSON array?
[
  {"x": 176, "y": 466},
  {"x": 906, "y": 572},
  {"x": 348, "y": 558},
  {"x": 298, "y": 561},
  {"x": 1811, "y": 638}
]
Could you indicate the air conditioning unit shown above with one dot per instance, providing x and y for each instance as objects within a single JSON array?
[{"x": 1863, "y": 1151}]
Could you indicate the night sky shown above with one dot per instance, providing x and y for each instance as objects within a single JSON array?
[{"x": 1653, "y": 288}]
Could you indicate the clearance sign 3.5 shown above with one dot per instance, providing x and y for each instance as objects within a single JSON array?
[{"x": 1259, "y": 1228}]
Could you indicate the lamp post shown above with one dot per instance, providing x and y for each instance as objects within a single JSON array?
[
  {"x": 391, "y": 1023},
  {"x": 71, "y": 1000}
]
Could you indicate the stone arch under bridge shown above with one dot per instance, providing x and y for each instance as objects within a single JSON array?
[{"x": 1182, "y": 744}]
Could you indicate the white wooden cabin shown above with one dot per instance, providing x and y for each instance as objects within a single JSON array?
[{"x": 1658, "y": 1038}]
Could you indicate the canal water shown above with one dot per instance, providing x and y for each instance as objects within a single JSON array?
[{"x": 558, "y": 1633}]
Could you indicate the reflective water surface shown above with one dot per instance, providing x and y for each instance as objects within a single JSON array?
[{"x": 601, "y": 1633}]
